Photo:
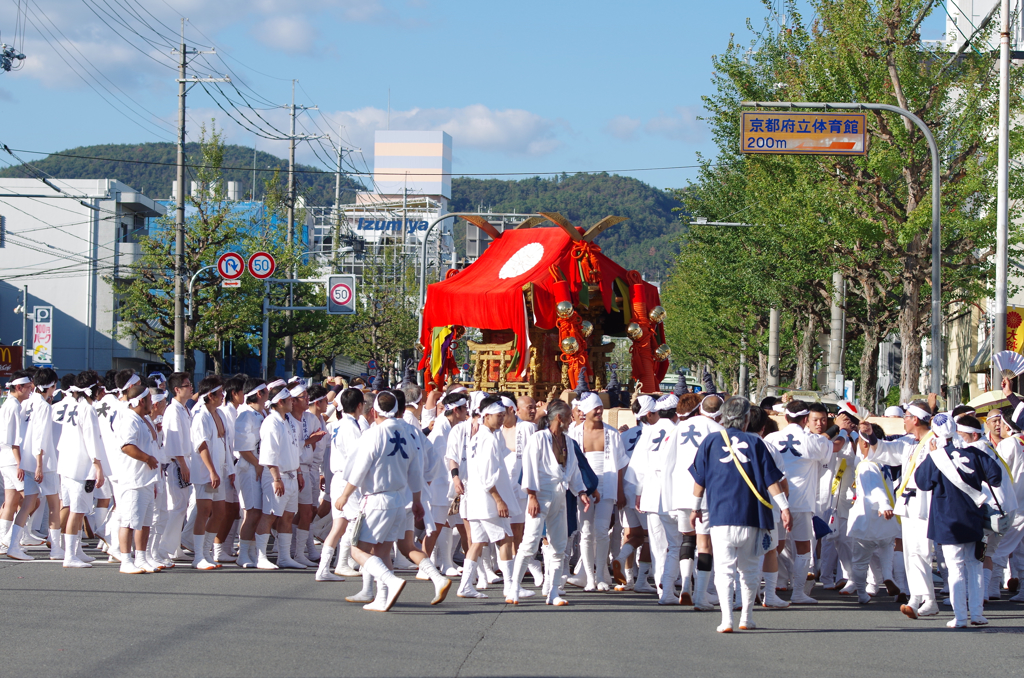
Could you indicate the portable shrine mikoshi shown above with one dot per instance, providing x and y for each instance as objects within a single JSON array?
[{"x": 543, "y": 299}]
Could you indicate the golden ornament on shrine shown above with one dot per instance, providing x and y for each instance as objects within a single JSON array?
[
  {"x": 587, "y": 328},
  {"x": 564, "y": 309},
  {"x": 657, "y": 314},
  {"x": 634, "y": 331},
  {"x": 663, "y": 352},
  {"x": 570, "y": 345}
]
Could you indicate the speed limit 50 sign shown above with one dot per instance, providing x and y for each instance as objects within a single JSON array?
[{"x": 341, "y": 294}]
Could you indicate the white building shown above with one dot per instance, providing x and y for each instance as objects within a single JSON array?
[{"x": 62, "y": 247}]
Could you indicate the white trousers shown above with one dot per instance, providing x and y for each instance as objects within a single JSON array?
[
  {"x": 551, "y": 516},
  {"x": 595, "y": 540},
  {"x": 863, "y": 550},
  {"x": 917, "y": 558},
  {"x": 1009, "y": 542},
  {"x": 837, "y": 553},
  {"x": 735, "y": 549},
  {"x": 966, "y": 587},
  {"x": 666, "y": 539}
]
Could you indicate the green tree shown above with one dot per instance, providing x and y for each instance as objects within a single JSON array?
[{"x": 869, "y": 217}]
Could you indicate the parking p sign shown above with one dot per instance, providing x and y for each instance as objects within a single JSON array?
[{"x": 341, "y": 294}]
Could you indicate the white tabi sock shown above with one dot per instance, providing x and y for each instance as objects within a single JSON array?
[
  {"x": 5, "y": 531},
  {"x": 624, "y": 553},
  {"x": 199, "y": 551},
  {"x": 686, "y": 572},
  {"x": 770, "y": 580},
  {"x": 468, "y": 570},
  {"x": 986, "y": 579},
  {"x": 367, "y": 589},
  {"x": 284, "y": 548},
  {"x": 428, "y": 568},
  {"x": 506, "y": 574},
  {"x": 899, "y": 572},
  {"x": 301, "y": 537}
]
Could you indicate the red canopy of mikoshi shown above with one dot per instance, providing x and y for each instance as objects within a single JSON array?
[{"x": 488, "y": 294}]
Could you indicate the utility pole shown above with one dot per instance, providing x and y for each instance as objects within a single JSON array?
[
  {"x": 836, "y": 330},
  {"x": 289, "y": 351},
  {"x": 773, "y": 352},
  {"x": 1002, "y": 190},
  {"x": 179, "y": 198}
]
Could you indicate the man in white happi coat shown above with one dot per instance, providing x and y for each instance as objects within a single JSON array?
[
  {"x": 696, "y": 422},
  {"x": 649, "y": 467},
  {"x": 344, "y": 433},
  {"x": 633, "y": 520},
  {"x": 870, "y": 525},
  {"x": 39, "y": 443},
  {"x": 210, "y": 469},
  {"x": 912, "y": 504},
  {"x": 602, "y": 446},
  {"x": 516, "y": 432},
  {"x": 803, "y": 454},
  {"x": 139, "y": 474},
  {"x": 248, "y": 472},
  {"x": 18, "y": 484},
  {"x": 438, "y": 542},
  {"x": 384, "y": 471},
  {"x": 549, "y": 471},
  {"x": 177, "y": 430},
  {"x": 1010, "y": 494}
]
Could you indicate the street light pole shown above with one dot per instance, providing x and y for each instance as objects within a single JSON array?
[
  {"x": 936, "y": 209},
  {"x": 1002, "y": 190}
]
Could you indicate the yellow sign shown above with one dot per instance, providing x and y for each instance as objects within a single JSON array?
[
  {"x": 1014, "y": 328},
  {"x": 804, "y": 133}
]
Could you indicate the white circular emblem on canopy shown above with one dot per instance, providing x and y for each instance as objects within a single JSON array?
[{"x": 522, "y": 261}]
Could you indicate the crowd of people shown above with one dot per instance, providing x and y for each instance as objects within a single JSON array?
[{"x": 707, "y": 501}]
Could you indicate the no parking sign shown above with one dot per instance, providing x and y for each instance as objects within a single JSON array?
[{"x": 341, "y": 294}]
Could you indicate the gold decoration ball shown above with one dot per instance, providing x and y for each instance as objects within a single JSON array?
[
  {"x": 570, "y": 345},
  {"x": 587, "y": 327},
  {"x": 663, "y": 352},
  {"x": 657, "y": 314},
  {"x": 634, "y": 331},
  {"x": 564, "y": 309}
]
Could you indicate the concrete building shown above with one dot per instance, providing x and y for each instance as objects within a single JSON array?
[{"x": 63, "y": 247}]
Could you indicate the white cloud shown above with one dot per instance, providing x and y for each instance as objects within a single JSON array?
[
  {"x": 510, "y": 131},
  {"x": 623, "y": 127},
  {"x": 287, "y": 33},
  {"x": 680, "y": 125}
]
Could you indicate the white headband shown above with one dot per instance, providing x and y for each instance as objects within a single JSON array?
[
  {"x": 493, "y": 408},
  {"x": 297, "y": 390},
  {"x": 668, "y": 402},
  {"x": 713, "y": 415},
  {"x": 796, "y": 415},
  {"x": 390, "y": 413},
  {"x": 132, "y": 380},
  {"x": 203, "y": 398},
  {"x": 969, "y": 429},
  {"x": 274, "y": 384},
  {"x": 919, "y": 413},
  {"x": 255, "y": 391},
  {"x": 75, "y": 389},
  {"x": 416, "y": 402},
  {"x": 318, "y": 399},
  {"x": 157, "y": 397},
  {"x": 458, "y": 389},
  {"x": 21, "y": 381},
  {"x": 590, "y": 402},
  {"x": 646, "y": 405},
  {"x": 507, "y": 402},
  {"x": 283, "y": 394},
  {"x": 46, "y": 386},
  {"x": 134, "y": 402},
  {"x": 455, "y": 405}
]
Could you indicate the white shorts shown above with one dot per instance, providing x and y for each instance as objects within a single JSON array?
[
  {"x": 383, "y": 524},
  {"x": 683, "y": 524},
  {"x": 50, "y": 484},
  {"x": 11, "y": 482},
  {"x": 74, "y": 496},
  {"x": 230, "y": 489},
  {"x": 288, "y": 502},
  {"x": 205, "y": 491},
  {"x": 351, "y": 509},
  {"x": 250, "y": 491},
  {"x": 306, "y": 493},
  {"x": 105, "y": 492},
  {"x": 439, "y": 514},
  {"x": 517, "y": 510},
  {"x": 135, "y": 507},
  {"x": 633, "y": 519},
  {"x": 803, "y": 528},
  {"x": 490, "y": 530}
]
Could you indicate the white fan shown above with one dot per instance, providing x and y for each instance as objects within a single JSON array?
[{"x": 1010, "y": 363}]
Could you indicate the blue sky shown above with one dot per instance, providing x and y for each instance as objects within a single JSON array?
[{"x": 527, "y": 86}]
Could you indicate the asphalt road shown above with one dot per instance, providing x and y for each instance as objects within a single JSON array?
[{"x": 230, "y": 622}]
